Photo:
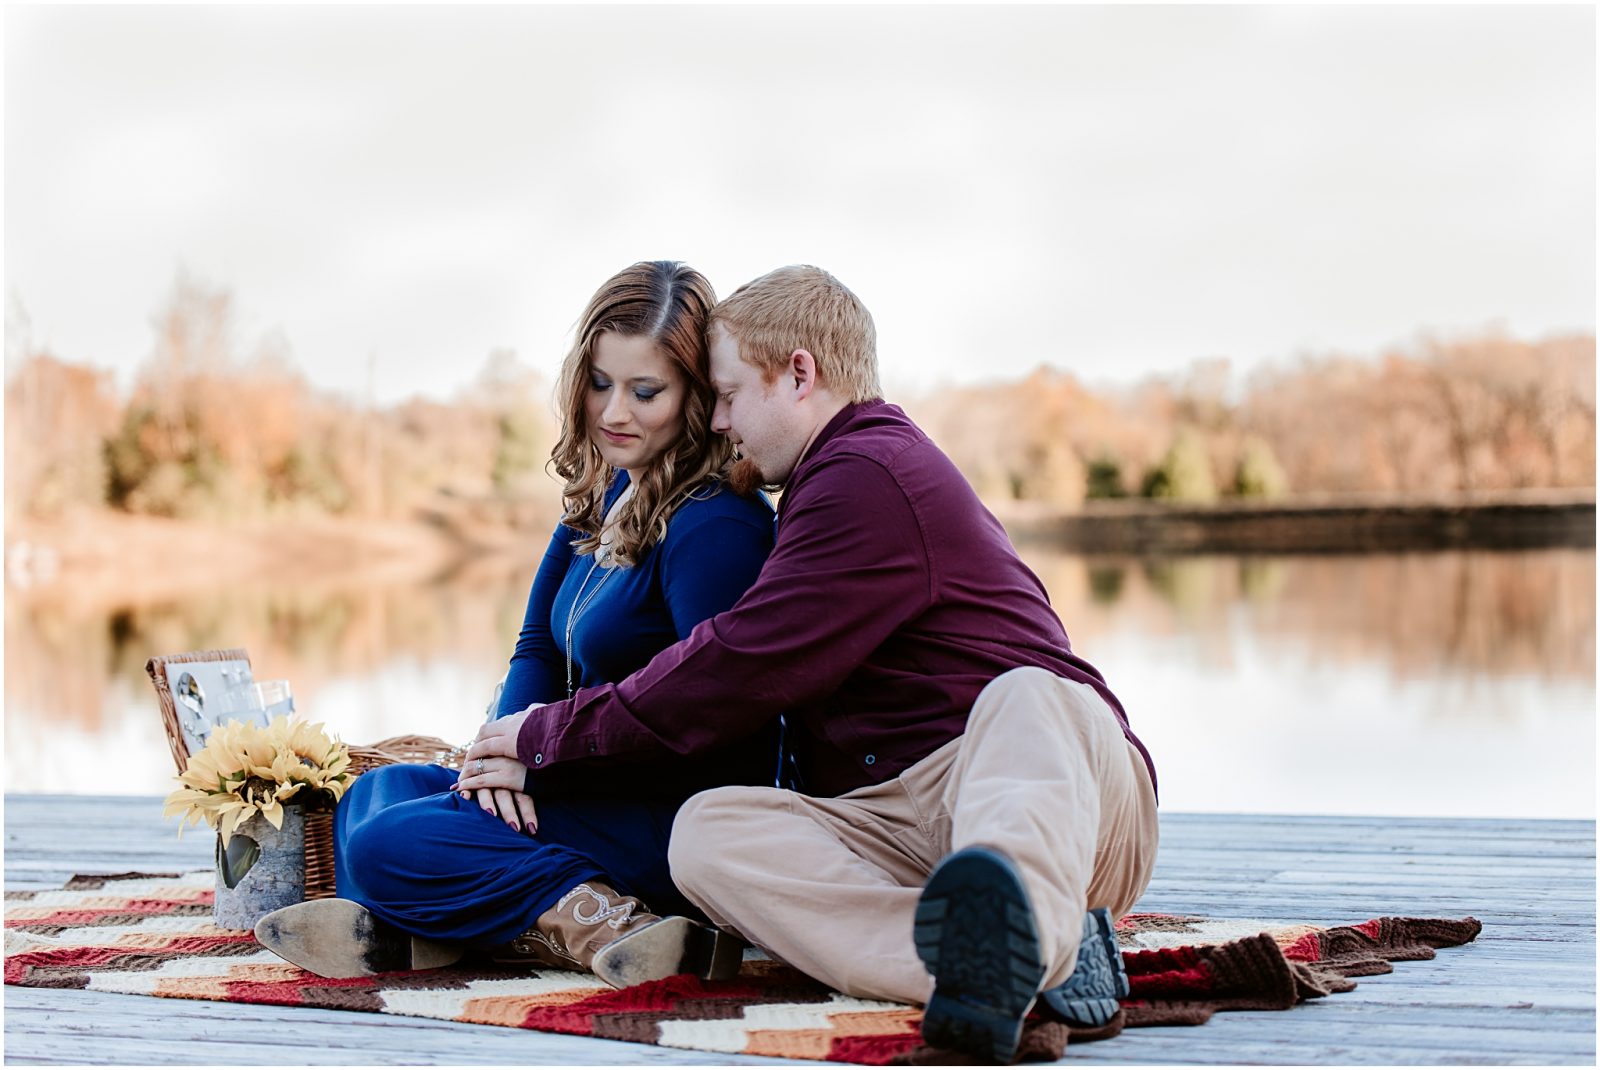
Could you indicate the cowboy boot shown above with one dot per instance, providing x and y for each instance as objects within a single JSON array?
[
  {"x": 593, "y": 927},
  {"x": 537, "y": 949},
  {"x": 342, "y": 938}
]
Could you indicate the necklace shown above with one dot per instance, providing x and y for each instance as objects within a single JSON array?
[{"x": 580, "y": 602}]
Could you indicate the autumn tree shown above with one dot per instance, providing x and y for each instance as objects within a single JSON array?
[
  {"x": 1258, "y": 474},
  {"x": 56, "y": 416},
  {"x": 1184, "y": 474},
  {"x": 1104, "y": 479}
]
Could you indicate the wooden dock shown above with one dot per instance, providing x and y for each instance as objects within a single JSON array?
[{"x": 1523, "y": 993}]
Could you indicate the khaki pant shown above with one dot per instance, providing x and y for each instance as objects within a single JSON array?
[{"x": 830, "y": 885}]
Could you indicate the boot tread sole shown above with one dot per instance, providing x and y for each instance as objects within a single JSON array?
[
  {"x": 1091, "y": 996},
  {"x": 973, "y": 906}
]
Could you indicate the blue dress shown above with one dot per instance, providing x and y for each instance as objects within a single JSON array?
[{"x": 428, "y": 861}]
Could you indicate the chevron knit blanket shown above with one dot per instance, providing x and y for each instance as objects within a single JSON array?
[{"x": 152, "y": 934}]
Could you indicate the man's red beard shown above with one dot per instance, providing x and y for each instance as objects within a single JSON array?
[{"x": 744, "y": 477}]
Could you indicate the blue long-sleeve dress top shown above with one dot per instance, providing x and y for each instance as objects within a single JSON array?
[{"x": 621, "y": 618}]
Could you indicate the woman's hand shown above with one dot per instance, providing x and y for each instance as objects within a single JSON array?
[
  {"x": 491, "y": 773},
  {"x": 513, "y": 806},
  {"x": 497, "y": 783}
]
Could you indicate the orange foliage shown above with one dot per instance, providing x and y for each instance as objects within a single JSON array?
[
  {"x": 207, "y": 433},
  {"x": 1487, "y": 413},
  {"x": 212, "y": 434}
]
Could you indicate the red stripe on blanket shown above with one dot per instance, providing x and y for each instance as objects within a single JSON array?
[
  {"x": 1168, "y": 973},
  {"x": 309, "y": 990},
  {"x": 1306, "y": 949},
  {"x": 90, "y": 915},
  {"x": 873, "y": 1051},
  {"x": 20, "y": 966},
  {"x": 657, "y": 998}
]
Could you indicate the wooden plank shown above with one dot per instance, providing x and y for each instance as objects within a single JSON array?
[
  {"x": 257, "y": 1050},
  {"x": 1491, "y": 825},
  {"x": 1502, "y": 847},
  {"x": 1223, "y": 861},
  {"x": 1395, "y": 829},
  {"x": 1547, "y": 1020},
  {"x": 36, "y": 1022}
]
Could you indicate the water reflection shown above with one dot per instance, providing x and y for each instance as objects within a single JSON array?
[
  {"x": 1478, "y": 612},
  {"x": 1485, "y": 657},
  {"x": 1106, "y": 582},
  {"x": 372, "y": 658}
]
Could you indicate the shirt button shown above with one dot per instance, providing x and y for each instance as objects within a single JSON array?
[
  {"x": 538, "y": 759},
  {"x": 871, "y": 759},
  {"x": 593, "y": 747}
]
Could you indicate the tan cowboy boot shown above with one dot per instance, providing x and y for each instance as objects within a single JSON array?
[
  {"x": 593, "y": 927},
  {"x": 535, "y": 948},
  {"x": 342, "y": 938}
]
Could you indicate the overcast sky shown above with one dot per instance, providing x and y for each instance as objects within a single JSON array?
[{"x": 1114, "y": 191}]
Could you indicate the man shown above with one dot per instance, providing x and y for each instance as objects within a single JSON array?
[{"x": 965, "y": 789}]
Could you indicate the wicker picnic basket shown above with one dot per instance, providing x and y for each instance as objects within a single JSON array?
[{"x": 319, "y": 822}]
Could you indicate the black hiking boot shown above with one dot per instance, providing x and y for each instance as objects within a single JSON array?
[
  {"x": 1091, "y": 996},
  {"x": 975, "y": 932}
]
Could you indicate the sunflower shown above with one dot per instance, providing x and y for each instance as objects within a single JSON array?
[{"x": 245, "y": 769}]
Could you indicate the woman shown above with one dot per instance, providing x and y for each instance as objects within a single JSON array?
[{"x": 652, "y": 543}]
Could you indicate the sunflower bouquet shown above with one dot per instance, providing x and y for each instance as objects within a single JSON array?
[{"x": 245, "y": 769}]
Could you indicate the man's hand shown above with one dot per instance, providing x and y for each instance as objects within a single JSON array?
[{"x": 498, "y": 738}]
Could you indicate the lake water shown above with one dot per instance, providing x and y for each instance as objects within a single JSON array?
[{"x": 1459, "y": 683}]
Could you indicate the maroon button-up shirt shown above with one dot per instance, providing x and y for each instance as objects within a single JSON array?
[{"x": 891, "y": 598}]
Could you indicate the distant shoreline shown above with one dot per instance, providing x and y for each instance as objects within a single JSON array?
[
  {"x": 1322, "y": 524},
  {"x": 119, "y": 558},
  {"x": 135, "y": 558}
]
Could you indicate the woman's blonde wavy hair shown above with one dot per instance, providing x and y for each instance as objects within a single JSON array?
[{"x": 669, "y": 303}]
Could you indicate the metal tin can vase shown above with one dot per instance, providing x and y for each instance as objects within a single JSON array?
[{"x": 262, "y": 868}]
